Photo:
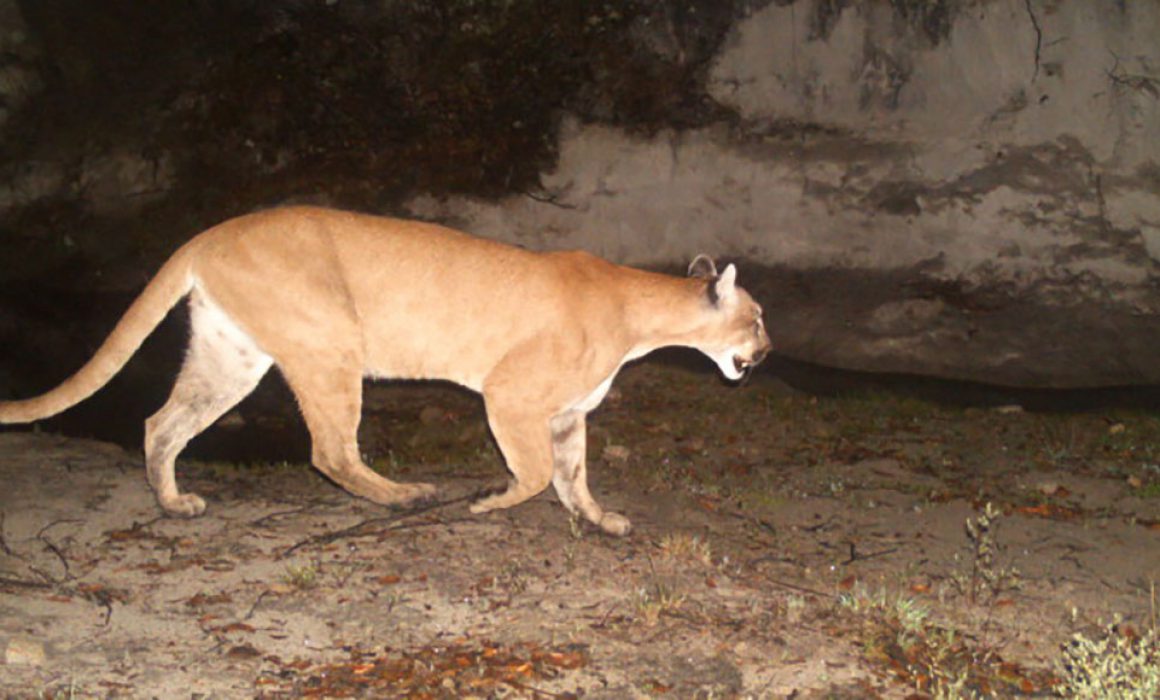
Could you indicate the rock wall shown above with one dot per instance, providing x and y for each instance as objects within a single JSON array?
[
  {"x": 957, "y": 188},
  {"x": 19, "y": 79},
  {"x": 967, "y": 189}
]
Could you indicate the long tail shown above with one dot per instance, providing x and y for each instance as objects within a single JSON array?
[{"x": 173, "y": 281}]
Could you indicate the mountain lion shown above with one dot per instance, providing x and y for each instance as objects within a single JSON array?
[{"x": 332, "y": 297}]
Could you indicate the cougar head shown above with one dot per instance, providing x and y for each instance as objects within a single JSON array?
[{"x": 734, "y": 334}]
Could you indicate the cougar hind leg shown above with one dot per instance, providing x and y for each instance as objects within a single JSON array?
[
  {"x": 222, "y": 366},
  {"x": 330, "y": 397},
  {"x": 524, "y": 438}
]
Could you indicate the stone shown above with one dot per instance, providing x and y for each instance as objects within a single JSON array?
[
  {"x": 22, "y": 651},
  {"x": 615, "y": 453}
]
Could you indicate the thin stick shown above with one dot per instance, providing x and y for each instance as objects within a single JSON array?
[
  {"x": 855, "y": 556},
  {"x": 23, "y": 583},
  {"x": 51, "y": 546},
  {"x": 361, "y": 529},
  {"x": 261, "y": 522},
  {"x": 254, "y": 607},
  {"x": 534, "y": 691},
  {"x": 3, "y": 541},
  {"x": 799, "y": 589}
]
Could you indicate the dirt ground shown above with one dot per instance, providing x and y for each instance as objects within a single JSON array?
[{"x": 784, "y": 546}]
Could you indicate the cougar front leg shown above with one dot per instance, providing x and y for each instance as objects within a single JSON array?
[
  {"x": 570, "y": 474},
  {"x": 331, "y": 402},
  {"x": 525, "y": 441}
]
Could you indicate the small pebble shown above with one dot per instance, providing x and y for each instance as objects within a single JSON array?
[
  {"x": 615, "y": 453},
  {"x": 24, "y": 652}
]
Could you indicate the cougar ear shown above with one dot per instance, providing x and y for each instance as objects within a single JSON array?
[
  {"x": 724, "y": 286},
  {"x": 703, "y": 267}
]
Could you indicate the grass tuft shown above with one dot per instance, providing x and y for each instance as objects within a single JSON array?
[{"x": 1117, "y": 665}]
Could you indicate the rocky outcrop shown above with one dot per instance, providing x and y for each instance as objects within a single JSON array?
[
  {"x": 984, "y": 177},
  {"x": 19, "y": 79},
  {"x": 956, "y": 188}
]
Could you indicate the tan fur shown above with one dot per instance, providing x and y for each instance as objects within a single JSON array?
[{"x": 332, "y": 297}]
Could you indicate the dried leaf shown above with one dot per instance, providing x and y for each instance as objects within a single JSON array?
[
  {"x": 201, "y": 599},
  {"x": 235, "y": 627},
  {"x": 243, "y": 651}
]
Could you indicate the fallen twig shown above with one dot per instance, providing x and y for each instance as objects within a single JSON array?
[
  {"x": 133, "y": 530},
  {"x": 107, "y": 603},
  {"x": 51, "y": 546},
  {"x": 761, "y": 523},
  {"x": 534, "y": 691},
  {"x": 799, "y": 589},
  {"x": 261, "y": 522},
  {"x": 855, "y": 556},
  {"x": 3, "y": 541},
  {"x": 552, "y": 199},
  {"x": 254, "y": 607},
  {"x": 604, "y": 618},
  {"x": 363, "y": 528},
  {"x": 752, "y": 563},
  {"x": 819, "y": 526},
  {"x": 24, "y": 583}
]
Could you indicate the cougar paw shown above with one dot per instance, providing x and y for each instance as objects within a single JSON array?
[
  {"x": 490, "y": 498},
  {"x": 481, "y": 507},
  {"x": 413, "y": 493},
  {"x": 186, "y": 505},
  {"x": 615, "y": 524}
]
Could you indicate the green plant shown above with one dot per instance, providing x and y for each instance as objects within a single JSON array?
[
  {"x": 860, "y": 599},
  {"x": 985, "y": 577},
  {"x": 575, "y": 527},
  {"x": 911, "y": 614},
  {"x": 69, "y": 692},
  {"x": 896, "y": 633},
  {"x": 795, "y": 607},
  {"x": 303, "y": 577},
  {"x": 682, "y": 546},
  {"x": 651, "y": 602},
  {"x": 906, "y": 615},
  {"x": 513, "y": 578},
  {"x": 1118, "y": 665},
  {"x": 953, "y": 685}
]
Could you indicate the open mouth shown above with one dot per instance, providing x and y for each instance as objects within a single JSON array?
[{"x": 744, "y": 366}]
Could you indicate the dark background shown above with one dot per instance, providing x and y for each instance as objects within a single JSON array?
[{"x": 351, "y": 104}]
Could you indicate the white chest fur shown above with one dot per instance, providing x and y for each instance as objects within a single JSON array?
[{"x": 593, "y": 400}]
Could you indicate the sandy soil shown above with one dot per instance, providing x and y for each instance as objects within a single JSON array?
[{"x": 784, "y": 546}]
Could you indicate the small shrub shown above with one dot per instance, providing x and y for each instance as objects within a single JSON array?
[
  {"x": 686, "y": 547},
  {"x": 985, "y": 577},
  {"x": 1116, "y": 666},
  {"x": 301, "y": 577},
  {"x": 650, "y": 603}
]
